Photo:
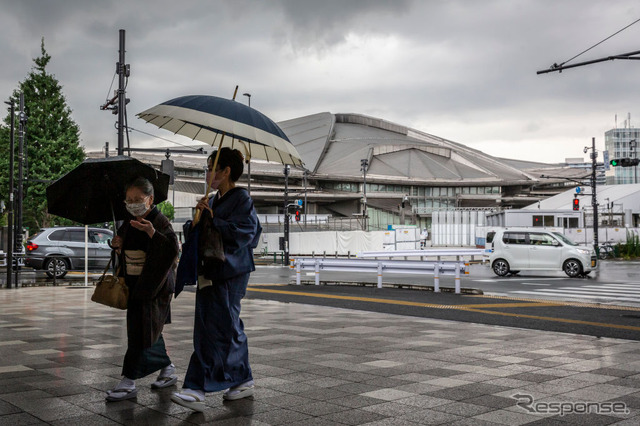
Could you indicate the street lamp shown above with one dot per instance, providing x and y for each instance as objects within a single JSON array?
[
  {"x": 364, "y": 165},
  {"x": 248, "y": 95},
  {"x": 632, "y": 147}
]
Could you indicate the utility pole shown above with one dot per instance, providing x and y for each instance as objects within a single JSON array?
[
  {"x": 305, "y": 174},
  {"x": 286, "y": 215},
  {"x": 118, "y": 103},
  {"x": 123, "y": 71},
  {"x": 594, "y": 198},
  {"x": 10, "y": 207},
  {"x": 19, "y": 235}
]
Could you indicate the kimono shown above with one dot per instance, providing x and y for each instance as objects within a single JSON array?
[
  {"x": 150, "y": 294},
  {"x": 221, "y": 355}
]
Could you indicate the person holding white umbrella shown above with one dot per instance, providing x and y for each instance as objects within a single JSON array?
[{"x": 220, "y": 360}]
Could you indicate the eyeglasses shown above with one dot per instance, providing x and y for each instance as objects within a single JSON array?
[{"x": 139, "y": 200}]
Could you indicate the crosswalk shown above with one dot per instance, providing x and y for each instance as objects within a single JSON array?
[{"x": 602, "y": 293}]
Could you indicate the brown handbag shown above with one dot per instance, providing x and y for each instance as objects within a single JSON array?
[{"x": 111, "y": 290}]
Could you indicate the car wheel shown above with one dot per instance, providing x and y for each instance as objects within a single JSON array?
[
  {"x": 501, "y": 267},
  {"x": 59, "y": 265},
  {"x": 572, "y": 268},
  {"x": 603, "y": 254}
]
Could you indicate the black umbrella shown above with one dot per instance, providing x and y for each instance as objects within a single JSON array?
[{"x": 94, "y": 192}]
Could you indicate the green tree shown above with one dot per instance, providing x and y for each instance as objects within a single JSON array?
[
  {"x": 167, "y": 209},
  {"x": 51, "y": 142}
]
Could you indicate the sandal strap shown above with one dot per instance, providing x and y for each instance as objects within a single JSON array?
[{"x": 192, "y": 393}]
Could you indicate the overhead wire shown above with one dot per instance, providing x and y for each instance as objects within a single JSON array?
[{"x": 600, "y": 42}]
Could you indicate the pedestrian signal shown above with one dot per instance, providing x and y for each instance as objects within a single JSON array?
[
  {"x": 576, "y": 204},
  {"x": 297, "y": 215}
]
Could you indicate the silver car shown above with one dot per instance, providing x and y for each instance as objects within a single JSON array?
[{"x": 62, "y": 249}]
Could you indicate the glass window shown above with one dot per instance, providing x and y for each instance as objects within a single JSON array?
[
  {"x": 548, "y": 221},
  {"x": 73, "y": 235},
  {"x": 540, "y": 239},
  {"x": 465, "y": 189},
  {"x": 100, "y": 237},
  {"x": 421, "y": 191},
  {"x": 57, "y": 235},
  {"x": 435, "y": 192},
  {"x": 514, "y": 238},
  {"x": 427, "y": 192},
  {"x": 473, "y": 190}
]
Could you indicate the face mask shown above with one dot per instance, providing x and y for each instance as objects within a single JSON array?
[{"x": 137, "y": 209}]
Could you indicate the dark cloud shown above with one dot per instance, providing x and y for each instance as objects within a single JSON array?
[{"x": 459, "y": 69}]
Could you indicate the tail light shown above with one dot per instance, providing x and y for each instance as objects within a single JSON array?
[{"x": 31, "y": 246}]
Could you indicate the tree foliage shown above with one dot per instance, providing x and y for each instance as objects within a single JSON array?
[
  {"x": 51, "y": 142},
  {"x": 167, "y": 209}
]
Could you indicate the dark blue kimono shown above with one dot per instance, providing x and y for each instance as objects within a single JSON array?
[{"x": 221, "y": 355}]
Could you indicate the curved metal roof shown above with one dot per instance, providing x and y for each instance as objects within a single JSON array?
[{"x": 334, "y": 144}]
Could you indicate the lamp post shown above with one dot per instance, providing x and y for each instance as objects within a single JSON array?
[
  {"x": 633, "y": 147},
  {"x": 248, "y": 95},
  {"x": 10, "y": 212},
  {"x": 364, "y": 165}
]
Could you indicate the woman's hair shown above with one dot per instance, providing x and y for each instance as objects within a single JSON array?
[
  {"x": 231, "y": 158},
  {"x": 142, "y": 184}
]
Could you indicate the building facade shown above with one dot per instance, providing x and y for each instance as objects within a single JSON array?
[{"x": 622, "y": 143}]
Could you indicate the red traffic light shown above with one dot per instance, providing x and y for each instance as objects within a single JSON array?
[
  {"x": 297, "y": 215},
  {"x": 576, "y": 204}
]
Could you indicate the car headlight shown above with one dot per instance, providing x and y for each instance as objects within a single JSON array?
[{"x": 584, "y": 251}]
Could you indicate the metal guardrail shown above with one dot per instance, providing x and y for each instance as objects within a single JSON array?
[
  {"x": 423, "y": 254},
  {"x": 383, "y": 266}
]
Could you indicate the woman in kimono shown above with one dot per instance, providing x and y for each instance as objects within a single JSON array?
[
  {"x": 147, "y": 249},
  {"x": 220, "y": 360}
]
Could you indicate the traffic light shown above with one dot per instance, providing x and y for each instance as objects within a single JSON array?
[
  {"x": 576, "y": 204},
  {"x": 297, "y": 215},
  {"x": 624, "y": 162}
]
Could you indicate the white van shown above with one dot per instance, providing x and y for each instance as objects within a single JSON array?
[{"x": 516, "y": 249}]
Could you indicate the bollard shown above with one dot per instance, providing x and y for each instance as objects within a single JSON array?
[
  {"x": 436, "y": 277},
  {"x": 317, "y": 272},
  {"x": 457, "y": 279},
  {"x": 297, "y": 271},
  {"x": 55, "y": 271},
  {"x": 379, "y": 274}
]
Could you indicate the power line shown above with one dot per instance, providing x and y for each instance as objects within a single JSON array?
[
  {"x": 164, "y": 139},
  {"x": 600, "y": 42}
]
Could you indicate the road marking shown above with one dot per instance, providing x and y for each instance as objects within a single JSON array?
[
  {"x": 534, "y": 284},
  {"x": 467, "y": 308},
  {"x": 578, "y": 296}
]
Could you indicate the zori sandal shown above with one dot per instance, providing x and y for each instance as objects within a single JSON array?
[
  {"x": 238, "y": 392},
  {"x": 190, "y": 398},
  {"x": 116, "y": 395},
  {"x": 166, "y": 378}
]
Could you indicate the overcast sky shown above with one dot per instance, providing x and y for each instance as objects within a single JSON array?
[{"x": 461, "y": 70}]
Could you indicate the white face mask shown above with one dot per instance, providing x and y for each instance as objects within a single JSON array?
[{"x": 137, "y": 209}]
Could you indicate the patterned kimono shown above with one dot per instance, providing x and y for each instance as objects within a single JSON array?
[{"x": 150, "y": 293}]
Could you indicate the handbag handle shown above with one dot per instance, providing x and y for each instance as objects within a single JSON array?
[{"x": 107, "y": 268}]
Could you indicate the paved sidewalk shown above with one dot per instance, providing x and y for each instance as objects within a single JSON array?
[{"x": 313, "y": 365}]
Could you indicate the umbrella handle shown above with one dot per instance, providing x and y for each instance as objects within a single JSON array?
[{"x": 196, "y": 217}]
